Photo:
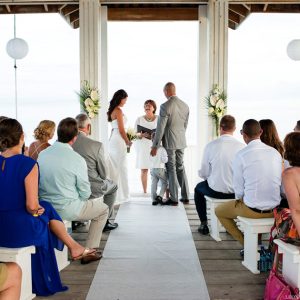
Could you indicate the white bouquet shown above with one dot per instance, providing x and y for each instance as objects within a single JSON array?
[
  {"x": 216, "y": 103},
  {"x": 89, "y": 99}
]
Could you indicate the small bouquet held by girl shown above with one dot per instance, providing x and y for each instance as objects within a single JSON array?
[{"x": 132, "y": 136}]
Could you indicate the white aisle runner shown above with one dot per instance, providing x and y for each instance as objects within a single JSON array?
[{"x": 150, "y": 256}]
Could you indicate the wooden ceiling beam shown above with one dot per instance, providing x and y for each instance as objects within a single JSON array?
[
  {"x": 69, "y": 9},
  {"x": 74, "y": 17},
  {"x": 231, "y": 25},
  {"x": 246, "y": 6},
  {"x": 28, "y": 9},
  {"x": 233, "y": 17},
  {"x": 153, "y": 14},
  {"x": 239, "y": 9},
  {"x": 76, "y": 24}
]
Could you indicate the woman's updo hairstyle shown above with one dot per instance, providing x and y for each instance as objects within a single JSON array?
[
  {"x": 10, "y": 133},
  {"x": 44, "y": 130},
  {"x": 115, "y": 101}
]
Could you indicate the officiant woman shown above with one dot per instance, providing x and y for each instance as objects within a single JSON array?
[{"x": 143, "y": 144}]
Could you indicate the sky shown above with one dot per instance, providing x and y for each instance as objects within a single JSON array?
[{"x": 262, "y": 81}]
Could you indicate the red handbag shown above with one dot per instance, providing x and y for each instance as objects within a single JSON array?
[{"x": 276, "y": 288}]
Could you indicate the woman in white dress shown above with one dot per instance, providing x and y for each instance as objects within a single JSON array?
[
  {"x": 144, "y": 143},
  {"x": 117, "y": 145}
]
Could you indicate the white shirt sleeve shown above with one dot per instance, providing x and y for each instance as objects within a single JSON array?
[
  {"x": 238, "y": 179},
  {"x": 204, "y": 171},
  {"x": 163, "y": 155}
]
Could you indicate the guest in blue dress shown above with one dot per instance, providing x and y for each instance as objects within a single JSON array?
[{"x": 24, "y": 221}]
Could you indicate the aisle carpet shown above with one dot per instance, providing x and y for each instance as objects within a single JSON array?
[{"x": 151, "y": 256}]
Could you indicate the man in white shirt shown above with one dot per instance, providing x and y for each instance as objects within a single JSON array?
[
  {"x": 256, "y": 181},
  {"x": 216, "y": 169}
]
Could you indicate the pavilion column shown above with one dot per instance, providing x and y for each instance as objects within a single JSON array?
[
  {"x": 90, "y": 18},
  {"x": 212, "y": 63},
  {"x": 218, "y": 42}
]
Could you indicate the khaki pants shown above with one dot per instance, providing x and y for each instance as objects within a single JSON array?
[
  {"x": 97, "y": 212},
  {"x": 227, "y": 212}
]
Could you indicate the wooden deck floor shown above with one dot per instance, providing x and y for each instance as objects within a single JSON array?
[{"x": 226, "y": 277}]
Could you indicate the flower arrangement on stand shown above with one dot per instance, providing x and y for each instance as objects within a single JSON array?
[
  {"x": 131, "y": 135},
  {"x": 216, "y": 103},
  {"x": 89, "y": 99}
]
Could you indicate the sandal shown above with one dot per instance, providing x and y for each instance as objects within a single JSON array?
[
  {"x": 90, "y": 258},
  {"x": 86, "y": 252}
]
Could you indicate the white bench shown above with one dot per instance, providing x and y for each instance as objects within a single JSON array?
[
  {"x": 290, "y": 262},
  {"x": 215, "y": 224},
  {"x": 62, "y": 256},
  {"x": 253, "y": 227},
  {"x": 21, "y": 256}
]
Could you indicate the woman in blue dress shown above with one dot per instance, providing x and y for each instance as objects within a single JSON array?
[{"x": 24, "y": 221}]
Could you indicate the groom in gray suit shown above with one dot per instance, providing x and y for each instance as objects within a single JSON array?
[
  {"x": 171, "y": 127},
  {"x": 93, "y": 153}
]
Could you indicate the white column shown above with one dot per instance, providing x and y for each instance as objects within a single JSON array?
[
  {"x": 212, "y": 64},
  {"x": 89, "y": 18},
  {"x": 104, "y": 79},
  {"x": 204, "y": 123},
  {"x": 218, "y": 42}
]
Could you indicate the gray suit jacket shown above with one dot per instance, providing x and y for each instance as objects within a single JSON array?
[
  {"x": 93, "y": 153},
  {"x": 172, "y": 124}
]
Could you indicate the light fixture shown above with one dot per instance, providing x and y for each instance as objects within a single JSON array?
[
  {"x": 293, "y": 49},
  {"x": 16, "y": 48}
]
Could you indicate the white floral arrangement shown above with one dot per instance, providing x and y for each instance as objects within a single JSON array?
[
  {"x": 131, "y": 135},
  {"x": 89, "y": 99},
  {"x": 216, "y": 103}
]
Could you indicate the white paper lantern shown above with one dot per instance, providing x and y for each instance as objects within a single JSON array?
[
  {"x": 293, "y": 49},
  {"x": 17, "y": 48}
]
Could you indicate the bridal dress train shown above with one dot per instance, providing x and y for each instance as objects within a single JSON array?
[{"x": 118, "y": 169}]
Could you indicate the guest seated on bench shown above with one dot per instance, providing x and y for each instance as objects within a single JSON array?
[
  {"x": 216, "y": 169},
  {"x": 24, "y": 221},
  {"x": 270, "y": 137},
  {"x": 256, "y": 181},
  {"x": 10, "y": 281},
  {"x": 64, "y": 183},
  {"x": 291, "y": 176}
]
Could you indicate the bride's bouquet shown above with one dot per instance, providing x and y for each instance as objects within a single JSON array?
[{"x": 131, "y": 135}]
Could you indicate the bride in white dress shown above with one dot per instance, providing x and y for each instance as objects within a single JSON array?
[{"x": 117, "y": 146}]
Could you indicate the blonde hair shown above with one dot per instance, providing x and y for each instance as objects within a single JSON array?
[{"x": 44, "y": 130}]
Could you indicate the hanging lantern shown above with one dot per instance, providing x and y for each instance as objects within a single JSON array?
[
  {"x": 17, "y": 48},
  {"x": 293, "y": 50}
]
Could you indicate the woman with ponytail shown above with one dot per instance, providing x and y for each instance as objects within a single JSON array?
[{"x": 118, "y": 143}]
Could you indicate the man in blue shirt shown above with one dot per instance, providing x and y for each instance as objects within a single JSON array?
[{"x": 64, "y": 183}]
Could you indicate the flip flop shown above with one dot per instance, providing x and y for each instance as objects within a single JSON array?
[{"x": 86, "y": 252}]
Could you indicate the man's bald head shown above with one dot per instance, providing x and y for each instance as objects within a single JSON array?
[{"x": 169, "y": 89}]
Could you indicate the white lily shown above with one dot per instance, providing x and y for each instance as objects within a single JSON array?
[
  {"x": 91, "y": 115},
  {"x": 94, "y": 95},
  {"x": 211, "y": 111},
  {"x": 213, "y": 100},
  {"x": 88, "y": 102},
  {"x": 220, "y": 104}
]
